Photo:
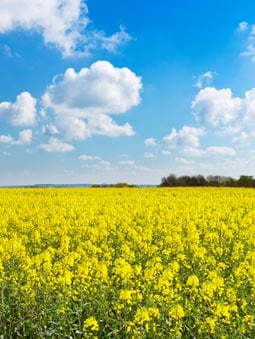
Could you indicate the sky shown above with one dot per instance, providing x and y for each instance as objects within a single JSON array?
[{"x": 125, "y": 91}]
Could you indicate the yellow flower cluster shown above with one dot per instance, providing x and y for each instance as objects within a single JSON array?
[{"x": 127, "y": 263}]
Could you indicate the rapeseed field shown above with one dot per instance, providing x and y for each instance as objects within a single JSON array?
[{"x": 127, "y": 263}]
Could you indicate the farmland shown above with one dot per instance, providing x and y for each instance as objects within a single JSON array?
[{"x": 127, "y": 263}]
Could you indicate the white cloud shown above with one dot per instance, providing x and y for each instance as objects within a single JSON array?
[
  {"x": 186, "y": 137},
  {"x": 209, "y": 151},
  {"x": 192, "y": 152},
  {"x": 96, "y": 163},
  {"x": 25, "y": 137},
  {"x": 131, "y": 165},
  {"x": 221, "y": 150},
  {"x": 104, "y": 125},
  {"x": 100, "y": 89},
  {"x": 219, "y": 108},
  {"x": 105, "y": 165},
  {"x": 216, "y": 107},
  {"x": 241, "y": 139},
  {"x": 231, "y": 129},
  {"x": 82, "y": 101},
  {"x": 149, "y": 155},
  {"x": 20, "y": 113},
  {"x": 73, "y": 128},
  {"x": 89, "y": 157},
  {"x": 50, "y": 129},
  {"x": 204, "y": 79},
  {"x": 250, "y": 49},
  {"x": 150, "y": 142},
  {"x": 228, "y": 115},
  {"x": 244, "y": 139},
  {"x": 249, "y": 107},
  {"x": 60, "y": 22},
  {"x": 56, "y": 145},
  {"x": 6, "y": 139},
  {"x": 100, "y": 124},
  {"x": 110, "y": 43},
  {"x": 243, "y": 26}
]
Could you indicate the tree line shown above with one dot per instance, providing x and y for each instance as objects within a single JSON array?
[{"x": 212, "y": 180}]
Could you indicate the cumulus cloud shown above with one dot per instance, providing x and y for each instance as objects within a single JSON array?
[
  {"x": 192, "y": 152},
  {"x": 242, "y": 139},
  {"x": 56, "y": 145},
  {"x": 204, "y": 79},
  {"x": 73, "y": 128},
  {"x": 20, "y": 113},
  {"x": 187, "y": 136},
  {"x": 185, "y": 140},
  {"x": 100, "y": 89},
  {"x": 250, "y": 44},
  {"x": 25, "y": 138},
  {"x": 221, "y": 150},
  {"x": 219, "y": 108},
  {"x": 104, "y": 125},
  {"x": 231, "y": 117},
  {"x": 60, "y": 22},
  {"x": 248, "y": 104},
  {"x": 104, "y": 165},
  {"x": 250, "y": 51},
  {"x": 85, "y": 157},
  {"x": 50, "y": 129},
  {"x": 82, "y": 101},
  {"x": 5, "y": 139},
  {"x": 243, "y": 26},
  {"x": 150, "y": 142},
  {"x": 216, "y": 107},
  {"x": 149, "y": 155}
]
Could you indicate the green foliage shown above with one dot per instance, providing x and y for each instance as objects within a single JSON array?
[{"x": 212, "y": 180}]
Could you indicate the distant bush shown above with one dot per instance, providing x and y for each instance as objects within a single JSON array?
[{"x": 212, "y": 180}]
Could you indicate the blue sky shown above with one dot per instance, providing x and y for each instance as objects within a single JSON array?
[{"x": 109, "y": 91}]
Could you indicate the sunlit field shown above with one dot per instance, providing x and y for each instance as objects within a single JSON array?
[{"x": 127, "y": 263}]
